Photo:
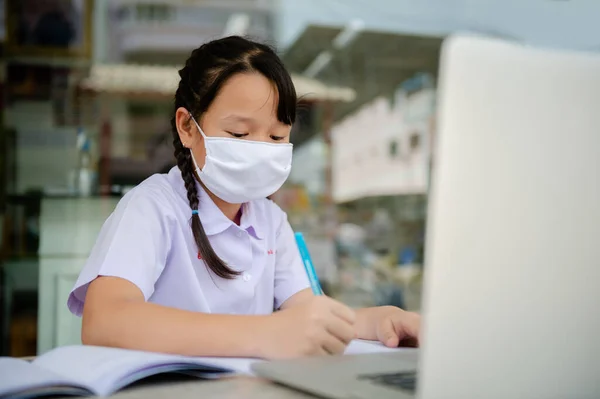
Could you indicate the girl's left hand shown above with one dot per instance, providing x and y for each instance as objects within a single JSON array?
[{"x": 396, "y": 327}]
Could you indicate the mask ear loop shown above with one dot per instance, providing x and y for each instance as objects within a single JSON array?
[
  {"x": 205, "y": 146},
  {"x": 197, "y": 125},
  {"x": 198, "y": 170}
]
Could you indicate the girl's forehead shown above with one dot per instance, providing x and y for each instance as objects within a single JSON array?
[{"x": 248, "y": 95}]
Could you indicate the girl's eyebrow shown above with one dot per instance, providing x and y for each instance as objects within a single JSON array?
[
  {"x": 242, "y": 119},
  {"x": 238, "y": 118}
]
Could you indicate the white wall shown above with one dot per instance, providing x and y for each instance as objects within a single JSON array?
[
  {"x": 308, "y": 166},
  {"x": 556, "y": 23},
  {"x": 363, "y": 164}
]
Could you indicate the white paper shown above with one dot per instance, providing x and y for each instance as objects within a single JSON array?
[
  {"x": 237, "y": 364},
  {"x": 359, "y": 347}
]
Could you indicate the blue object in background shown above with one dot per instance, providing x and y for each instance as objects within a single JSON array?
[{"x": 407, "y": 256}]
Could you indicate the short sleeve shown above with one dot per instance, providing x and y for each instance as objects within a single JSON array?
[
  {"x": 133, "y": 244},
  {"x": 290, "y": 275}
]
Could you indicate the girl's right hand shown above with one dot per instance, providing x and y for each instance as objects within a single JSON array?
[{"x": 317, "y": 326}]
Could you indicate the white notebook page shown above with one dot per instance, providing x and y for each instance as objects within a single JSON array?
[
  {"x": 18, "y": 375},
  {"x": 105, "y": 370}
]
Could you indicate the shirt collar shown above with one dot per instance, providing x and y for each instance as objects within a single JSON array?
[
  {"x": 250, "y": 221},
  {"x": 213, "y": 219}
]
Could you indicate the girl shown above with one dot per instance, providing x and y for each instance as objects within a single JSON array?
[{"x": 153, "y": 282}]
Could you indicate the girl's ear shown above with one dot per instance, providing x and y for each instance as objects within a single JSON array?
[{"x": 186, "y": 129}]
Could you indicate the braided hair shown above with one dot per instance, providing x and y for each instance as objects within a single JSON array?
[{"x": 204, "y": 73}]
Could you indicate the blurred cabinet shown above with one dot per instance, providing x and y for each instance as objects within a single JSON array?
[
  {"x": 19, "y": 280},
  {"x": 68, "y": 230},
  {"x": 7, "y": 164},
  {"x": 19, "y": 243}
]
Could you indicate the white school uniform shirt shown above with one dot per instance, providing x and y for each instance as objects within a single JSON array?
[{"x": 148, "y": 241}]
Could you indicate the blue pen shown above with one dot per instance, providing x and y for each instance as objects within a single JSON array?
[{"x": 308, "y": 265}]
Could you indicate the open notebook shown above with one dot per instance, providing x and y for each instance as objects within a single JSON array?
[{"x": 92, "y": 370}]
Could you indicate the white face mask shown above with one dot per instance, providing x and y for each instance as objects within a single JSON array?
[{"x": 238, "y": 171}]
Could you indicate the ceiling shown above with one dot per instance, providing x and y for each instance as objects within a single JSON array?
[{"x": 373, "y": 63}]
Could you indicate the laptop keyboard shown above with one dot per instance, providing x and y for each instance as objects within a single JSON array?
[{"x": 404, "y": 380}]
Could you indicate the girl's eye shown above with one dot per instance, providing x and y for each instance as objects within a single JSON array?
[
  {"x": 277, "y": 138},
  {"x": 238, "y": 135}
]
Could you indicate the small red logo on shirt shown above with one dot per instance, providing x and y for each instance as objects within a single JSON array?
[
  {"x": 199, "y": 256},
  {"x": 270, "y": 252}
]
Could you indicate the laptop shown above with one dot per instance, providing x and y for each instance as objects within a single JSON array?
[{"x": 512, "y": 263}]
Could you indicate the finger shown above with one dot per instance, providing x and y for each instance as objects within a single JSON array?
[
  {"x": 340, "y": 329},
  {"x": 344, "y": 312},
  {"x": 404, "y": 327},
  {"x": 332, "y": 345},
  {"x": 408, "y": 325},
  {"x": 387, "y": 335},
  {"x": 321, "y": 351}
]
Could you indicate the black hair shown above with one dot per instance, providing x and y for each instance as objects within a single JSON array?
[{"x": 204, "y": 73}]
